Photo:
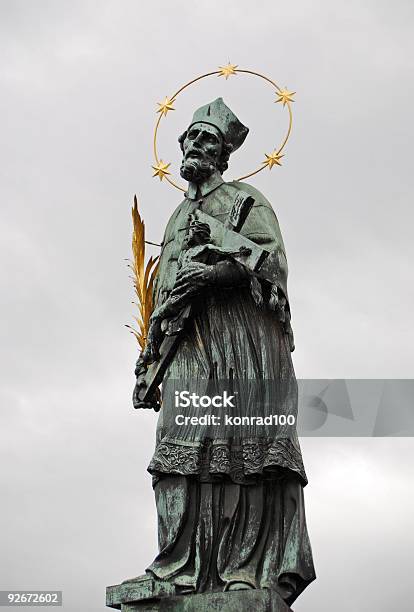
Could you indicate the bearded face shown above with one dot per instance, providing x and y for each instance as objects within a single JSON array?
[{"x": 202, "y": 147}]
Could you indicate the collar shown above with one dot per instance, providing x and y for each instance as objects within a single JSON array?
[{"x": 211, "y": 183}]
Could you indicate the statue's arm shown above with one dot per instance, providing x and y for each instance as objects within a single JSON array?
[{"x": 197, "y": 276}]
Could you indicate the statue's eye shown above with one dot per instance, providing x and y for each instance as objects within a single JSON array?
[{"x": 210, "y": 139}]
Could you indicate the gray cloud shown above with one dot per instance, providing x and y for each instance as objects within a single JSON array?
[{"x": 79, "y": 82}]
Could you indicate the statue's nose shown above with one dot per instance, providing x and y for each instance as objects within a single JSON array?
[{"x": 195, "y": 145}]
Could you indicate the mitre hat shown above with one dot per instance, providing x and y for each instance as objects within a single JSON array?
[{"x": 217, "y": 113}]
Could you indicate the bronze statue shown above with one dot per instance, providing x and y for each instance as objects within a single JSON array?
[{"x": 230, "y": 506}]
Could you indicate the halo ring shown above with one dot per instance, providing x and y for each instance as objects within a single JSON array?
[{"x": 284, "y": 96}]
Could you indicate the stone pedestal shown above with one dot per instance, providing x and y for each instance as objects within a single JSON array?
[{"x": 147, "y": 595}]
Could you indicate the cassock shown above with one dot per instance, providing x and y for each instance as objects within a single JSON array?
[{"x": 230, "y": 507}]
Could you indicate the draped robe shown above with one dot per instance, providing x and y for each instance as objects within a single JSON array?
[{"x": 230, "y": 509}]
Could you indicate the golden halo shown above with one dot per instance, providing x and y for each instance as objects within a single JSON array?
[{"x": 271, "y": 159}]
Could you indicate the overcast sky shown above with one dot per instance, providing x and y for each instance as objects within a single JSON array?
[{"x": 79, "y": 86}]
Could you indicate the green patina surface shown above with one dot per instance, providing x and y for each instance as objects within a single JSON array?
[
  {"x": 231, "y": 523},
  {"x": 147, "y": 596}
]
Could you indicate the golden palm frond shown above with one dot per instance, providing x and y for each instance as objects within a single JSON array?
[{"x": 143, "y": 277}]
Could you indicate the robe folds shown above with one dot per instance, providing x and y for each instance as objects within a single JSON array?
[{"x": 230, "y": 502}]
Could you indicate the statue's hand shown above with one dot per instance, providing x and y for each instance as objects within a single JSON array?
[
  {"x": 154, "y": 404},
  {"x": 140, "y": 372},
  {"x": 195, "y": 275},
  {"x": 198, "y": 275}
]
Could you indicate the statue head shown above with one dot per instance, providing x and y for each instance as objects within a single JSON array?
[{"x": 213, "y": 134}]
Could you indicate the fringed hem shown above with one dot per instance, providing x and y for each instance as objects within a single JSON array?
[{"x": 244, "y": 462}]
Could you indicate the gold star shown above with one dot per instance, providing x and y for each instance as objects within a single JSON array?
[
  {"x": 285, "y": 96},
  {"x": 166, "y": 106},
  {"x": 272, "y": 160},
  {"x": 161, "y": 169},
  {"x": 228, "y": 70}
]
